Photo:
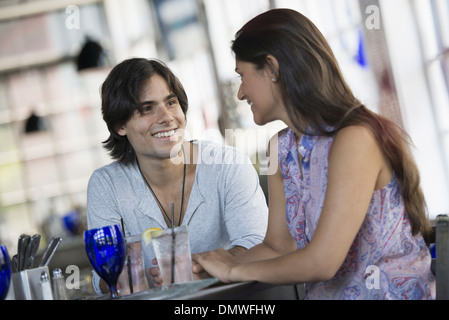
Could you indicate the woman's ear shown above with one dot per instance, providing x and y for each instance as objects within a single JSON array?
[{"x": 272, "y": 67}]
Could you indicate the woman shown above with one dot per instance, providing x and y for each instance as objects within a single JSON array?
[{"x": 346, "y": 213}]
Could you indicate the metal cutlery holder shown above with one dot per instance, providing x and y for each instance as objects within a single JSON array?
[{"x": 27, "y": 284}]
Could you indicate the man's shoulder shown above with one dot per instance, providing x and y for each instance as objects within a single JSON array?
[
  {"x": 113, "y": 170},
  {"x": 214, "y": 153}
]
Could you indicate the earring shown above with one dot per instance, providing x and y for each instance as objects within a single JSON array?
[{"x": 273, "y": 80}]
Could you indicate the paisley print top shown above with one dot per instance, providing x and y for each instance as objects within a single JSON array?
[{"x": 385, "y": 260}]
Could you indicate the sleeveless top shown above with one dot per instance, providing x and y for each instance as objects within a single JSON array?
[{"x": 385, "y": 260}]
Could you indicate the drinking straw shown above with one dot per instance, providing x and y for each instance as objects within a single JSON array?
[
  {"x": 172, "y": 243},
  {"x": 128, "y": 262}
]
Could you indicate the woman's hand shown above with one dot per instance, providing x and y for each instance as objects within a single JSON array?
[
  {"x": 217, "y": 263},
  {"x": 198, "y": 271},
  {"x": 156, "y": 276}
]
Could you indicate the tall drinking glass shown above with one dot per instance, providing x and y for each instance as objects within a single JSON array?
[
  {"x": 173, "y": 255},
  {"x": 5, "y": 272},
  {"x": 105, "y": 248}
]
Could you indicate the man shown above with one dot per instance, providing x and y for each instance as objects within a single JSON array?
[{"x": 214, "y": 189}]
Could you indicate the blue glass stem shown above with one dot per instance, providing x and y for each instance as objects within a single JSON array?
[{"x": 114, "y": 292}]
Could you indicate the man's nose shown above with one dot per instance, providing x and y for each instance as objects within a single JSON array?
[{"x": 163, "y": 115}]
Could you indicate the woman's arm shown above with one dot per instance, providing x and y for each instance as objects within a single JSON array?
[
  {"x": 277, "y": 240},
  {"x": 355, "y": 163}
]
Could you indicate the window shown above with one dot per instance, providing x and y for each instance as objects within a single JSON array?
[{"x": 433, "y": 24}]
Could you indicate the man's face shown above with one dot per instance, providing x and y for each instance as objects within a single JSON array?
[{"x": 157, "y": 131}]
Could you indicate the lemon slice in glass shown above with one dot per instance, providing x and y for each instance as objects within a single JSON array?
[{"x": 148, "y": 234}]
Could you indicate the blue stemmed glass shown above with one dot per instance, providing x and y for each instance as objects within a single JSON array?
[
  {"x": 105, "y": 248},
  {"x": 5, "y": 272}
]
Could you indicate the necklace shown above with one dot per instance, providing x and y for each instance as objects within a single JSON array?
[{"x": 182, "y": 193}]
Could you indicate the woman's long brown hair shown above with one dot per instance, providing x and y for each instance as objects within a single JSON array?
[{"x": 318, "y": 98}]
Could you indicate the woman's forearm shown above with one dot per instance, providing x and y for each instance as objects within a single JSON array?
[
  {"x": 256, "y": 253},
  {"x": 291, "y": 268}
]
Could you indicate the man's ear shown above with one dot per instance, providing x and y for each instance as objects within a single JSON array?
[
  {"x": 272, "y": 67},
  {"x": 121, "y": 131}
]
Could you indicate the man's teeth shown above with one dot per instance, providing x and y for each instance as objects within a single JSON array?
[{"x": 164, "y": 134}]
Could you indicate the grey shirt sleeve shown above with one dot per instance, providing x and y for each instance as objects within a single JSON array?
[
  {"x": 102, "y": 209},
  {"x": 245, "y": 207},
  {"x": 102, "y": 205}
]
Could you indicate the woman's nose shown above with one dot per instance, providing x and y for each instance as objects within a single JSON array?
[{"x": 240, "y": 94}]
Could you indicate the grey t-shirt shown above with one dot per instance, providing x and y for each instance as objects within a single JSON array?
[{"x": 226, "y": 207}]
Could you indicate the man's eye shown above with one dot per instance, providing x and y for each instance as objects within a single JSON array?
[{"x": 145, "y": 109}]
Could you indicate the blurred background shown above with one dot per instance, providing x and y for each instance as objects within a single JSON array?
[{"x": 54, "y": 55}]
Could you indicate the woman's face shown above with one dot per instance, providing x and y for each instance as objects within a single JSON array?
[{"x": 260, "y": 89}]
